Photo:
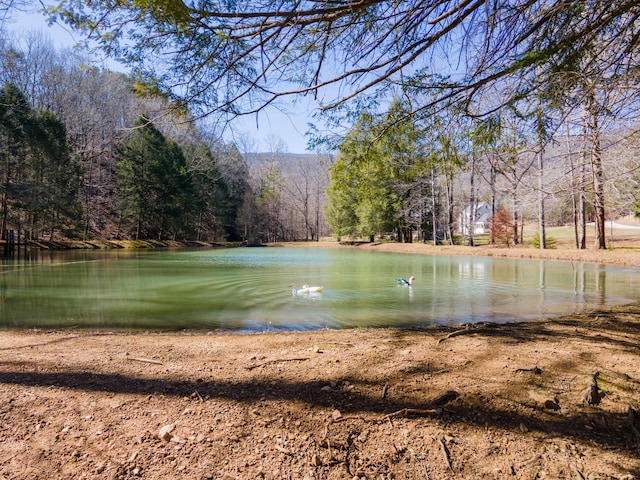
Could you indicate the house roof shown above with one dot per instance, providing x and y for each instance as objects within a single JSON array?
[{"x": 483, "y": 212}]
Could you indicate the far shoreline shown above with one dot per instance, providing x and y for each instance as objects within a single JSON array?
[{"x": 627, "y": 256}]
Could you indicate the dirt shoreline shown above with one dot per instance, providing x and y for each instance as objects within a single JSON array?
[{"x": 489, "y": 401}]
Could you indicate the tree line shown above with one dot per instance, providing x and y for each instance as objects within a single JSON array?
[
  {"x": 421, "y": 177},
  {"x": 98, "y": 160},
  {"x": 84, "y": 154},
  {"x": 536, "y": 115},
  {"x": 506, "y": 75}
]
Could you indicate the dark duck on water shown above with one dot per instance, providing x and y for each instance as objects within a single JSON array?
[{"x": 404, "y": 282}]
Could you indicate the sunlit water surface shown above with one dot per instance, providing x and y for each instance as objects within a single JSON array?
[{"x": 248, "y": 289}]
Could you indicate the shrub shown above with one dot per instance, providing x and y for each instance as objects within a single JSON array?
[{"x": 549, "y": 243}]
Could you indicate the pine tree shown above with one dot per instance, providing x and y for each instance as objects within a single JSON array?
[{"x": 156, "y": 194}]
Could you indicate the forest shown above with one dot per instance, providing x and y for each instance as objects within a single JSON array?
[
  {"x": 546, "y": 135},
  {"x": 85, "y": 156}
]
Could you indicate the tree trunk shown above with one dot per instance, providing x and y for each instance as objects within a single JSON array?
[
  {"x": 541, "y": 222},
  {"x": 472, "y": 202},
  {"x": 494, "y": 206},
  {"x": 450, "y": 210},
  {"x": 582, "y": 197},
  {"x": 434, "y": 217},
  {"x": 598, "y": 176},
  {"x": 574, "y": 187},
  {"x": 514, "y": 201}
]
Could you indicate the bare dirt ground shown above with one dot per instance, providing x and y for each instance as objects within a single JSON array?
[{"x": 555, "y": 399}]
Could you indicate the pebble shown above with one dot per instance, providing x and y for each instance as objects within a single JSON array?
[
  {"x": 165, "y": 432},
  {"x": 551, "y": 405}
]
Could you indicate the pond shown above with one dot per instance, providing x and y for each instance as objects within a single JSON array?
[{"x": 249, "y": 289}]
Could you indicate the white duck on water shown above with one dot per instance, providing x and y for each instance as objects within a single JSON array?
[
  {"x": 404, "y": 282},
  {"x": 305, "y": 289}
]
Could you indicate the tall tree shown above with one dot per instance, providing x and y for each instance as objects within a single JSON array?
[
  {"x": 55, "y": 178},
  {"x": 155, "y": 190},
  {"x": 484, "y": 138},
  {"x": 360, "y": 184},
  {"x": 15, "y": 120},
  {"x": 210, "y": 190}
]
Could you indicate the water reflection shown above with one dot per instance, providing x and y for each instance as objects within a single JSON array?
[{"x": 249, "y": 289}]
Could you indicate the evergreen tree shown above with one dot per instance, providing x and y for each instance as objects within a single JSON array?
[
  {"x": 210, "y": 191},
  {"x": 361, "y": 188},
  {"x": 39, "y": 179},
  {"x": 156, "y": 196},
  {"x": 52, "y": 196},
  {"x": 15, "y": 117}
]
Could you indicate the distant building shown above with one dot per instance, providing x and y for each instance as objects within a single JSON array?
[{"x": 482, "y": 222}]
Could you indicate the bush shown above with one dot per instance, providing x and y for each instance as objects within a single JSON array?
[{"x": 550, "y": 241}]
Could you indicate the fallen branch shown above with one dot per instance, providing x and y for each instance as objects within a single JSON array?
[
  {"x": 578, "y": 472},
  {"x": 463, "y": 331},
  {"x": 437, "y": 401},
  {"x": 385, "y": 389},
  {"x": 268, "y": 362},
  {"x": 409, "y": 411},
  {"x": 144, "y": 360},
  {"x": 426, "y": 473},
  {"x": 437, "y": 372},
  {"x": 529, "y": 461},
  {"x": 445, "y": 453},
  {"x": 345, "y": 418},
  {"x": 536, "y": 370}
]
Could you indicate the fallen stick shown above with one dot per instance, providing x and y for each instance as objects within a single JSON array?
[
  {"x": 277, "y": 361},
  {"x": 529, "y": 461},
  {"x": 462, "y": 331},
  {"x": 426, "y": 472},
  {"x": 408, "y": 411},
  {"x": 437, "y": 372},
  {"x": 385, "y": 389},
  {"x": 348, "y": 417},
  {"x": 578, "y": 472},
  {"x": 445, "y": 453},
  {"x": 144, "y": 360},
  {"x": 537, "y": 370},
  {"x": 437, "y": 401}
]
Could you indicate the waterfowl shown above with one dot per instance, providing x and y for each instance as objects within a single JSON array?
[
  {"x": 404, "y": 282},
  {"x": 305, "y": 289}
]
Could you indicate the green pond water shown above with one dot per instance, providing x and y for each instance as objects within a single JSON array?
[{"x": 248, "y": 289}]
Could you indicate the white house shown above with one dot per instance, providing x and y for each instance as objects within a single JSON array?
[{"x": 482, "y": 222}]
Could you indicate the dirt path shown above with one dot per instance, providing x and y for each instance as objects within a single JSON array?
[{"x": 484, "y": 402}]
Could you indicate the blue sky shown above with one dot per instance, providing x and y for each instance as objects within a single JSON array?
[{"x": 270, "y": 128}]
